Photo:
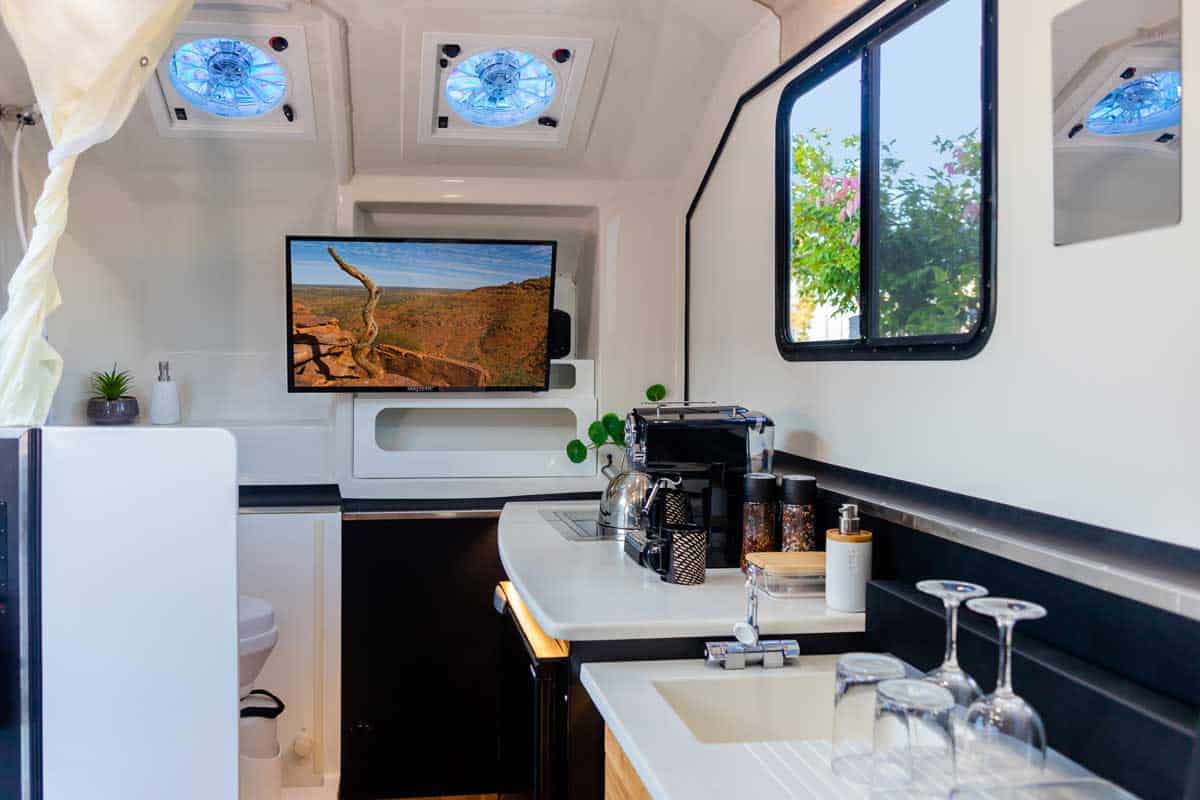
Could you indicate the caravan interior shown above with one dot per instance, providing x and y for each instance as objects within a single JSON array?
[{"x": 599, "y": 399}]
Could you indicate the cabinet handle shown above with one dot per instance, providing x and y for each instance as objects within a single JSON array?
[{"x": 359, "y": 728}]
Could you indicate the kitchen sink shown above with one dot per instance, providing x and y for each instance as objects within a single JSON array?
[{"x": 754, "y": 706}]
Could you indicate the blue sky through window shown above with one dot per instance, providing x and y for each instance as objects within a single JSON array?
[
  {"x": 929, "y": 86},
  {"x": 432, "y": 265}
]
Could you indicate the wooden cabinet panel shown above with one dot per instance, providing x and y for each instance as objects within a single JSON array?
[{"x": 621, "y": 781}]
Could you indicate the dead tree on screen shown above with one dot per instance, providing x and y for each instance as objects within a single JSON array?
[{"x": 361, "y": 352}]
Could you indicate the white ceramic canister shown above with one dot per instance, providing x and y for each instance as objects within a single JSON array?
[
  {"x": 164, "y": 403},
  {"x": 847, "y": 563}
]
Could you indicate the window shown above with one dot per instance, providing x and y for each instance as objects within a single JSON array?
[
  {"x": 884, "y": 191},
  {"x": 227, "y": 77},
  {"x": 500, "y": 88}
]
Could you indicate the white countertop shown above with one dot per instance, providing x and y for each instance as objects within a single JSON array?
[
  {"x": 675, "y": 765},
  {"x": 592, "y": 591}
]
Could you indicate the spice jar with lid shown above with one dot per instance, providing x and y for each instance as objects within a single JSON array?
[
  {"x": 758, "y": 514},
  {"x": 797, "y": 507}
]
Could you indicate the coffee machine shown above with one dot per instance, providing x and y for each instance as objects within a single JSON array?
[{"x": 703, "y": 450}]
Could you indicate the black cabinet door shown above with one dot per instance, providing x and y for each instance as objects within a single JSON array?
[
  {"x": 419, "y": 658},
  {"x": 533, "y": 735}
]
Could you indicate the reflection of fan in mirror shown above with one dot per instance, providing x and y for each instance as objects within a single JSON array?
[
  {"x": 1118, "y": 105},
  {"x": 1150, "y": 103}
]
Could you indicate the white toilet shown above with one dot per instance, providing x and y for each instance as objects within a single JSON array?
[{"x": 257, "y": 635}]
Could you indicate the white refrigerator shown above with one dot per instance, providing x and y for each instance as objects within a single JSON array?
[{"x": 118, "y": 604}]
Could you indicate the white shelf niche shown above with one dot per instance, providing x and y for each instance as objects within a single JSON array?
[{"x": 477, "y": 435}]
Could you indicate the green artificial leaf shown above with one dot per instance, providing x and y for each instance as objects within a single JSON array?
[
  {"x": 576, "y": 451},
  {"x": 597, "y": 433},
  {"x": 615, "y": 427},
  {"x": 656, "y": 393}
]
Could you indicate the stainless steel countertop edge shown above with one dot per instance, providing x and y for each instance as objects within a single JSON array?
[{"x": 1158, "y": 591}]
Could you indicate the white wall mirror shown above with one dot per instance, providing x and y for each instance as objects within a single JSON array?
[{"x": 1118, "y": 104}]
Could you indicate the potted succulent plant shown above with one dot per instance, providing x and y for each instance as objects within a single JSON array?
[{"x": 111, "y": 403}]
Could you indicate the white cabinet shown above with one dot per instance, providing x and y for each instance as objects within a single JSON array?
[
  {"x": 292, "y": 559},
  {"x": 139, "y": 655}
]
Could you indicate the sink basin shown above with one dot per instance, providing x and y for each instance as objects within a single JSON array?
[{"x": 753, "y": 706}]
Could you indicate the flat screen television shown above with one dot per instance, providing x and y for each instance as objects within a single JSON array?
[{"x": 418, "y": 315}]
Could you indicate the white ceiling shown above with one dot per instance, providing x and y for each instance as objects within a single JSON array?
[
  {"x": 643, "y": 108},
  {"x": 664, "y": 54}
]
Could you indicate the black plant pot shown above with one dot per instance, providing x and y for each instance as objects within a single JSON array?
[{"x": 121, "y": 411}]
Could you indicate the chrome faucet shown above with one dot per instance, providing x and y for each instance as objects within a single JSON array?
[{"x": 749, "y": 648}]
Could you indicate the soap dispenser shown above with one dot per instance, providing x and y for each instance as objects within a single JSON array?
[
  {"x": 164, "y": 402},
  {"x": 847, "y": 562}
]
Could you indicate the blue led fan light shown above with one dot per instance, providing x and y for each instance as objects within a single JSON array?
[
  {"x": 1142, "y": 105},
  {"x": 227, "y": 77},
  {"x": 500, "y": 88}
]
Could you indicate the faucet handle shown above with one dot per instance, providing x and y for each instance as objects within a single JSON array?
[
  {"x": 771, "y": 653},
  {"x": 745, "y": 633}
]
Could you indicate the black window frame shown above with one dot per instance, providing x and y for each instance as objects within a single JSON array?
[{"x": 864, "y": 49}]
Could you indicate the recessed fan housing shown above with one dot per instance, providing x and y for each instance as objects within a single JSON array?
[
  {"x": 234, "y": 80},
  {"x": 485, "y": 89}
]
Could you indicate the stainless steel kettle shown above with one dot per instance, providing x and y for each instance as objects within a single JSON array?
[{"x": 624, "y": 500}]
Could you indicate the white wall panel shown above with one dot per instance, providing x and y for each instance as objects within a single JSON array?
[{"x": 1082, "y": 404}]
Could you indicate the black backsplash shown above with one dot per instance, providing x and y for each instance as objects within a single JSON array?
[
  {"x": 1116, "y": 681},
  {"x": 1146, "y": 645}
]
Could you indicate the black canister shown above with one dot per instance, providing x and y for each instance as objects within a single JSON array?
[
  {"x": 797, "y": 509},
  {"x": 758, "y": 514}
]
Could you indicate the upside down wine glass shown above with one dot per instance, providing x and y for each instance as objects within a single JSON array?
[
  {"x": 950, "y": 675},
  {"x": 1004, "y": 739}
]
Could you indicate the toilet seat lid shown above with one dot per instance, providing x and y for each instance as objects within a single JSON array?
[{"x": 255, "y": 616}]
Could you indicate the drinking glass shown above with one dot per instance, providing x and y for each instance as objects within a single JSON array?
[
  {"x": 950, "y": 675},
  {"x": 913, "y": 741},
  {"x": 1002, "y": 738},
  {"x": 854, "y": 711}
]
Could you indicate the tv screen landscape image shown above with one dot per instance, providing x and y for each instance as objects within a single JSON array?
[{"x": 369, "y": 314}]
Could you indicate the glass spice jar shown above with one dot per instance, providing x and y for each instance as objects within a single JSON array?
[
  {"x": 797, "y": 507},
  {"x": 758, "y": 514}
]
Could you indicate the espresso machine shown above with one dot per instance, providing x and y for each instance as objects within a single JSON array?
[{"x": 698, "y": 454}]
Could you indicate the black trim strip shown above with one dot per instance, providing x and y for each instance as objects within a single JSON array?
[
  {"x": 844, "y": 24},
  {"x": 353, "y": 506},
  {"x": 33, "y": 605},
  {"x": 989, "y": 514},
  {"x": 289, "y": 495}
]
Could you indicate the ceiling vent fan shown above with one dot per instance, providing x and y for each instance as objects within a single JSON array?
[
  {"x": 521, "y": 91},
  {"x": 234, "y": 80}
]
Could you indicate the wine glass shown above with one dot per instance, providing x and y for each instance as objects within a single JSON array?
[
  {"x": 1002, "y": 735},
  {"x": 950, "y": 675}
]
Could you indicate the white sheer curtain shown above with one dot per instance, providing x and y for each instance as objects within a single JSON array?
[{"x": 87, "y": 60}]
